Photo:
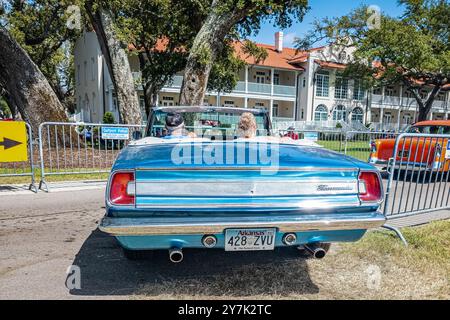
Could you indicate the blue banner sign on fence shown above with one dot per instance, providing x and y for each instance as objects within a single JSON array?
[
  {"x": 447, "y": 151},
  {"x": 311, "y": 136},
  {"x": 115, "y": 133}
]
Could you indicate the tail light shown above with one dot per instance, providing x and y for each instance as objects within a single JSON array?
[
  {"x": 119, "y": 191},
  {"x": 370, "y": 187}
]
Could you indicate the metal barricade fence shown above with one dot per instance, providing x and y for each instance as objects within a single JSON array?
[
  {"x": 22, "y": 169},
  {"x": 332, "y": 140},
  {"x": 419, "y": 175},
  {"x": 81, "y": 148},
  {"x": 358, "y": 144}
]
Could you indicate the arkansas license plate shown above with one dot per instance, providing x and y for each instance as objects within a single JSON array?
[{"x": 250, "y": 239}]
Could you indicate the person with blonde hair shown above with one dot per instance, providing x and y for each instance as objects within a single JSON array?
[{"x": 247, "y": 126}]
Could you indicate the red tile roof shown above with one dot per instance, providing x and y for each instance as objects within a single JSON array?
[
  {"x": 331, "y": 65},
  {"x": 286, "y": 59}
]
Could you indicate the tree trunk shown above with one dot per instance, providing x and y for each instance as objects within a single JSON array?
[
  {"x": 118, "y": 65},
  {"x": 426, "y": 106},
  {"x": 150, "y": 98},
  {"x": 28, "y": 89},
  {"x": 207, "y": 45}
]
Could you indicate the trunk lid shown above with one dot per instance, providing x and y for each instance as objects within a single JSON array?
[{"x": 287, "y": 178}]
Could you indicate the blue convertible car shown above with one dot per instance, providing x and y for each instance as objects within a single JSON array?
[{"x": 211, "y": 188}]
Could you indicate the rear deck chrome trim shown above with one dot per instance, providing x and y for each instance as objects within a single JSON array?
[
  {"x": 244, "y": 188},
  {"x": 298, "y": 169},
  {"x": 214, "y": 225}
]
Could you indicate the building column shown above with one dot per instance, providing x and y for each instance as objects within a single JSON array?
[
  {"x": 398, "y": 117},
  {"x": 381, "y": 115},
  {"x": 246, "y": 103},
  {"x": 297, "y": 97},
  {"x": 272, "y": 77},
  {"x": 383, "y": 94},
  {"x": 246, "y": 79},
  {"x": 401, "y": 95},
  {"x": 218, "y": 100},
  {"x": 271, "y": 109},
  {"x": 431, "y": 115}
]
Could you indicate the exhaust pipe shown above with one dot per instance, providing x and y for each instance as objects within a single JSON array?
[
  {"x": 315, "y": 250},
  {"x": 176, "y": 255}
]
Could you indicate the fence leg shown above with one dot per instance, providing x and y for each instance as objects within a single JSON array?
[
  {"x": 43, "y": 186},
  {"x": 398, "y": 232},
  {"x": 32, "y": 187}
]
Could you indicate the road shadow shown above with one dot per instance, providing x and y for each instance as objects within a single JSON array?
[{"x": 105, "y": 271}]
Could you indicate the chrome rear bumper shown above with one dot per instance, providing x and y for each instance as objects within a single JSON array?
[{"x": 217, "y": 225}]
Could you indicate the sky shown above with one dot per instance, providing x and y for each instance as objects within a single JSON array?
[{"x": 321, "y": 9}]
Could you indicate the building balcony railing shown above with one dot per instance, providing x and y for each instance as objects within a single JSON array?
[
  {"x": 279, "y": 90},
  {"x": 405, "y": 102},
  {"x": 282, "y": 119},
  {"x": 262, "y": 88}
]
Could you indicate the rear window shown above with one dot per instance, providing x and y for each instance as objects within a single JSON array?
[
  {"x": 221, "y": 125},
  {"x": 430, "y": 129}
]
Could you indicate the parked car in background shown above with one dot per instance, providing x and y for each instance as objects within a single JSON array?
[
  {"x": 425, "y": 153},
  {"x": 224, "y": 192}
]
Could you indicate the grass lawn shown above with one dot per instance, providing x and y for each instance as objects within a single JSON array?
[
  {"x": 377, "y": 267},
  {"x": 357, "y": 149}
]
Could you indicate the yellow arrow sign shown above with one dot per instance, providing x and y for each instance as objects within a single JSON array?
[{"x": 13, "y": 141}]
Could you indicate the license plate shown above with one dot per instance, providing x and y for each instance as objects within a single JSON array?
[{"x": 250, "y": 239}]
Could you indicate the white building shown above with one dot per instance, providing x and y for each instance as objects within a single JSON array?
[{"x": 305, "y": 87}]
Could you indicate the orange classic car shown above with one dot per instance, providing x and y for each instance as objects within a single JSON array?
[{"x": 425, "y": 153}]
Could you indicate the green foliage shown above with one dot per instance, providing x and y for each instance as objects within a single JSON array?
[
  {"x": 4, "y": 108},
  {"x": 108, "y": 118},
  {"x": 40, "y": 27},
  {"x": 225, "y": 72}
]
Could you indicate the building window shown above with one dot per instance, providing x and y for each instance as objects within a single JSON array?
[
  {"x": 357, "y": 115},
  {"x": 228, "y": 103},
  {"x": 407, "y": 119},
  {"x": 114, "y": 100},
  {"x": 342, "y": 56},
  {"x": 321, "y": 113},
  {"x": 358, "y": 91},
  {"x": 259, "y": 105},
  {"x": 339, "y": 113},
  {"x": 390, "y": 92},
  {"x": 276, "y": 79},
  {"x": 260, "y": 77},
  {"x": 423, "y": 94},
  {"x": 322, "y": 84},
  {"x": 341, "y": 88},
  {"x": 440, "y": 97},
  {"x": 387, "y": 117},
  {"x": 275, "y": 110},
  {"x": 167, "y": 101},
  {"x": 377, "y": 91}
]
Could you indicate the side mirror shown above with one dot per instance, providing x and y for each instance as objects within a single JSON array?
[{"x": 136, "y": 135}]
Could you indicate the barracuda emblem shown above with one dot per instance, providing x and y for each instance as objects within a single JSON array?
[{"x": 325, "y": 187}]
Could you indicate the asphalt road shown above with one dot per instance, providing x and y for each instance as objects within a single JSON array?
[{"x": 42, "y": 235}]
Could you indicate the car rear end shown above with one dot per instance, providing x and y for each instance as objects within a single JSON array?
[{"x": 312, "y": 196}]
